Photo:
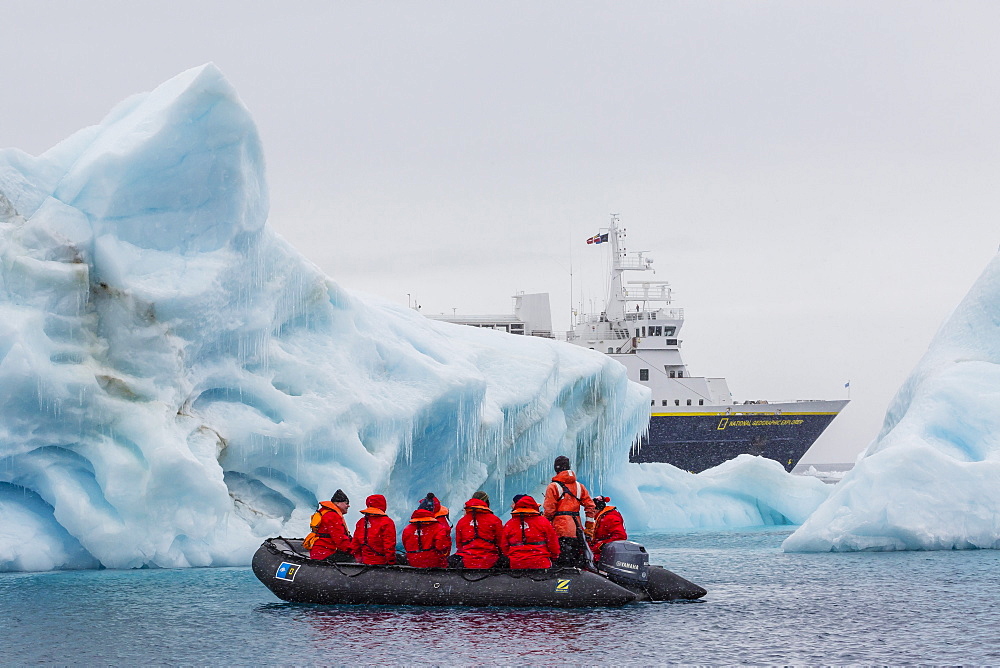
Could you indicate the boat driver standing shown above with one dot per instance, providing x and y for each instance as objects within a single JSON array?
[{"x": 564, "y": 497}]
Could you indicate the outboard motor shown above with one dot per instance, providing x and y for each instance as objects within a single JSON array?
[{"x": 624, "y": 562}]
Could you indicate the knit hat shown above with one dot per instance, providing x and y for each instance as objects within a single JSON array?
[
  {"x": 429, "y": 503},
  {"x": 339, "y": 497},
  {"x": 562, "y": 464},
  {"x": 482, "y": 496},
  {"x": 517, "y": 497}
]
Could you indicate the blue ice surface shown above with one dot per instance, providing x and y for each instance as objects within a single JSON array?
[{"x": 763, "y": 607}]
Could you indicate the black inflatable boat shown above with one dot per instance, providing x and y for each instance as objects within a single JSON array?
[{"x": 625, "y": 576}]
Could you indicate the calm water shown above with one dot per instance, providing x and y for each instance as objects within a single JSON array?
[{"x": 763, "y": 606}]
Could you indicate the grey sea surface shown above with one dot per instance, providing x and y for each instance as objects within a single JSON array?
[{"x": 763, "y": 607}]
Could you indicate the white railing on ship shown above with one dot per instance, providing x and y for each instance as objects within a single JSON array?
[
  {"x": 631, "y": 264},
  {"x": 661, "y": 294},
  {"x": 659, "y": 315}
]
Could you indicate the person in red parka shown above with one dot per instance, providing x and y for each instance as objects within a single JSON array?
[
  {"x": 329, "y": 537},
  {"x": 426, "y": 540},
  {"x": 608, "y": 526},
  {"x": 528, "y": 539},
  {"x": 477, "y": 536},
  {"x": 375, "y": 534}
]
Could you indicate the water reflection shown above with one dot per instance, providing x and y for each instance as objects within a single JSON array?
[{"x": 508, "y": 632}]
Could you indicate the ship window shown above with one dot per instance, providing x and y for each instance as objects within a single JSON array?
[
  {"x": 673, "y": 374},
  {"x": 669, "y": 331},
  {"x": 664, "y": 402},
  {"x": 680, "y": 374},
  {"x": 610, "y": 350},
  {"x": 643, "y": 374},
  {"x": 656, "y": 331},
  {"x": 701, "y": 402},
  {"x": 689, "y": 402},
  {"x": 652, "y": 402},
  {"x": 644, "y": 331},
  {"x": 677, "y": 402}
]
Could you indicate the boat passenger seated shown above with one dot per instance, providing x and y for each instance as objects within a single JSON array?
[
  {"x": 329, "y": 538},
  {"x": 528, "y": 539},
  {"x": 477, "y": 536},
  {"x": 426, "y": 540},
  {"x": 375, "y": 534},
  {"x": 608, "y": 526}
]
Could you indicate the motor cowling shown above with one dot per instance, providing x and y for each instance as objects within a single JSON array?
[{"x": 624, "y": 561}]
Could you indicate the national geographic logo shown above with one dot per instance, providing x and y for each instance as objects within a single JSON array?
[{"x": 773, "y": 422}]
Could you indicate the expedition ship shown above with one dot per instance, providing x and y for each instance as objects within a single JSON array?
[{"x": 694, "y": 424}]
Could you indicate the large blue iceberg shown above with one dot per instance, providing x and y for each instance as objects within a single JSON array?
[
  {"x": 931, "y": 479},
  {"x": 177, "y": 382}
]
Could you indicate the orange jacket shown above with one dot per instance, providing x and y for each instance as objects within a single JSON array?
[{"x": 563, "y": 498}]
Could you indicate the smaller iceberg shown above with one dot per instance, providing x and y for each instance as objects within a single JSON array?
[
  {"x": 929, "y": 481},
  {"x": 743, "y": 492}
]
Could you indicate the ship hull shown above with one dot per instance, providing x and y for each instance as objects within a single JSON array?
[{"x": 695, "y": 441}]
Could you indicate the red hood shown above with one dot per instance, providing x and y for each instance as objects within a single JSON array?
[
  {"x": 421, "y": 515},
  {"x": 526, "y": 503},
  {"x": 376, "y": 501},
  {"x": 477, "y": 506}
]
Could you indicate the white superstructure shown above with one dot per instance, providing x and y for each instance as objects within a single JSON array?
[{"x": 641, "y": 330}]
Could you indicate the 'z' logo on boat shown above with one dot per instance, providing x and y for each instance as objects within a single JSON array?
[
  {"x": 722, "y": 424},
  {"x": 287, "y": 571},
  {"x": 562, "y": 585}
]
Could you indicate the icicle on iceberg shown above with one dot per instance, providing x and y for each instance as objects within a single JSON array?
[{"x": 929, "y": 480}]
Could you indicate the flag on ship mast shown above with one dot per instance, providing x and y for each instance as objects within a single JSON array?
[{"x": 598, "y": 239}]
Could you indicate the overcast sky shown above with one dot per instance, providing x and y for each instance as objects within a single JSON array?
[{"x": 818, "y": 181}]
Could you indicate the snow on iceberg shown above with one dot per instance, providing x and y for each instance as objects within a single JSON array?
[
  {"x": 929, "y": 481},
  {"x": 176, "y": 382}
]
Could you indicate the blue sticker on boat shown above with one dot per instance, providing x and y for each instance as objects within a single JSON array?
[
  {"x": 287, "y": 571},
  {"x": 563, "y": 586}
]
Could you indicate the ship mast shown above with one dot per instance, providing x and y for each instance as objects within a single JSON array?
[
  {"x": 618, "y": 293},
  {"x": 615, "y": 307}
]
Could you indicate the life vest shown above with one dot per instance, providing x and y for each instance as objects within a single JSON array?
[
  {"x": 576, "y": 497},
  {"x": 607, "y": 509},
  {"x": 524, "y": 526},
  {"x": 476, "y": 535},
  {"x": 316, "y": 520},
  {"x": 419, "y": 533}
]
